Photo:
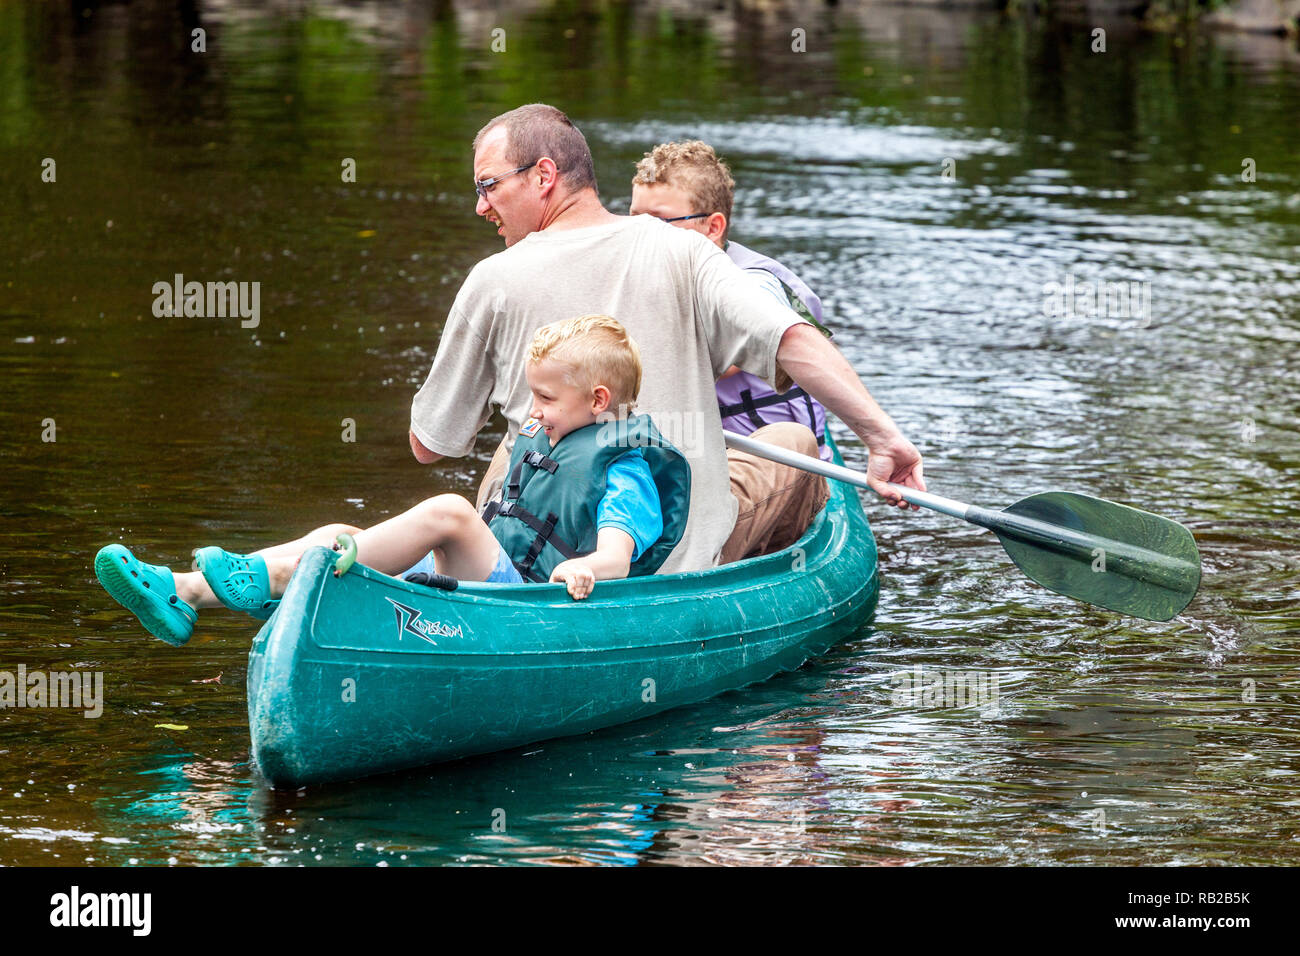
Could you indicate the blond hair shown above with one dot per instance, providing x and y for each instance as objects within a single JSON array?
[
  {"x": 594, "y": 350},
  {"x": 694, "y": 168}
]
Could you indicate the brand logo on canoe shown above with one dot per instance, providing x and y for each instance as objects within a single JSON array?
[{"x": 411, "y": 620}]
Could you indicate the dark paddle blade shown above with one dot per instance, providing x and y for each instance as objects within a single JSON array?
[{"x": 1104, "y": 553}]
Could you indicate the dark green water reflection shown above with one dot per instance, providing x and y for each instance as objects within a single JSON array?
[{"x": 1111, "y": 740}]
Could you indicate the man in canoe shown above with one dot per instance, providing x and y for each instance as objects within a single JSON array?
[
  {"x": 693, "y": 312},
  {"x": 585, "y": 502},
  {"x": 674, "y": 182}
]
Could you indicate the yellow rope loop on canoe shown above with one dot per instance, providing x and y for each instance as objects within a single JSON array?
[{"x": 349, "y": 555}]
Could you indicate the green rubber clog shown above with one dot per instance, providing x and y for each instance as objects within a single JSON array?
[
  {"x": 240, "y": 581},
  {"x": 148, "y": 591}
]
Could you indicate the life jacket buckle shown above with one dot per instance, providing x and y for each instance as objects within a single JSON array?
[{"x": 537, "y": 460}]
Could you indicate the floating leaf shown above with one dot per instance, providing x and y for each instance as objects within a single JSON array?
[{"x": 172, "y": 726}]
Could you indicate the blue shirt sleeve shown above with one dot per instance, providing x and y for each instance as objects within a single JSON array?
[{"x": 631, "y": 502}]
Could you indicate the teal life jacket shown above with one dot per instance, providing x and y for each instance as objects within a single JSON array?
[{"x": 546, "y": 513}]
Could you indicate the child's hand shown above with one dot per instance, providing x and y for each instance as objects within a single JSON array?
[{"x": 578, "y": 576}]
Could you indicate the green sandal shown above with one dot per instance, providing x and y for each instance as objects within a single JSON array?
[
  {"x": 148, "y": 591},
  {"x": 240, "y": 581}
]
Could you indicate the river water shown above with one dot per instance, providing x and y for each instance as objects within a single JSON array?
[{"x": 1169, "y": 163}]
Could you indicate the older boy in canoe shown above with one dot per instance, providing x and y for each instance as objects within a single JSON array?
[
  {"x": 588, "y": 496},
  {"x": 687, "y": 185}
]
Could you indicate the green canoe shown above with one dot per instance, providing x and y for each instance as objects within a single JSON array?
[{"x": 365, "y": 674}]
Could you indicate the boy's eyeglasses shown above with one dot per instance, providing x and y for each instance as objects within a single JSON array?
[
  {"x": 482, "y": 186},
  {"x": 696, "y": 215}
]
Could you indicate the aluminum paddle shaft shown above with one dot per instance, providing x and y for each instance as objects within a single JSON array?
[
  {"x": 1088, "y": 548},
  {"x": 784, "y": 456}
]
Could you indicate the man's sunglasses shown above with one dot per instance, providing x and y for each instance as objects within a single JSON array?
[{"x": 482, "y": 186}]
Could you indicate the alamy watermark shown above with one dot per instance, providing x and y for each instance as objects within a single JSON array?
[
  {"x": 77, "y": 909},
  {"x": 75, "y": 690},
  {"x": 685, "y": 431},
  {"x": 210, "y": 300},
  {"x": 921, "y": 687},
  {"x": 1072, "y": 299}
]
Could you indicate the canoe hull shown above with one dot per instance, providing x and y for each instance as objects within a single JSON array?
[{"x": 365, "y": 674}]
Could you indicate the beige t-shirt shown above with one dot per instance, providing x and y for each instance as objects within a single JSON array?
[{"x": 692, "y": 312}]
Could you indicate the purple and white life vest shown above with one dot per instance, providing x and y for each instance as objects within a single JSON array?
[
  {"x": 745, "y": 401},
  {"x": 747, "y": 258}
]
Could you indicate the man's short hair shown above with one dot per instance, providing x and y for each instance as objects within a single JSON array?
[
  {"x": 538, "y": 130},
  {"x": 594, "y": 350},
  {"x": 694, "y": 168}
]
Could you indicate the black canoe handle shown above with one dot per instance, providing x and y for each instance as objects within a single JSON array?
[{"x": 435, "y": 580}]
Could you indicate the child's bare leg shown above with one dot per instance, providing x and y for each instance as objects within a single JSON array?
[
  {"x": 322, "y": 537},
  {"x": 281, "y": 560},
  {"x": 194, "y": 591},
  {"x": 448, "y": 525}
]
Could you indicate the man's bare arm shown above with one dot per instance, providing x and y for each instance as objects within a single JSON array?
[
  {"x": 423, "y": 455},
  {"x": 818, "y": 367}
]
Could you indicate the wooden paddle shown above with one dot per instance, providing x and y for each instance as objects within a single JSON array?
[{"x": 1087, "y": 548}]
